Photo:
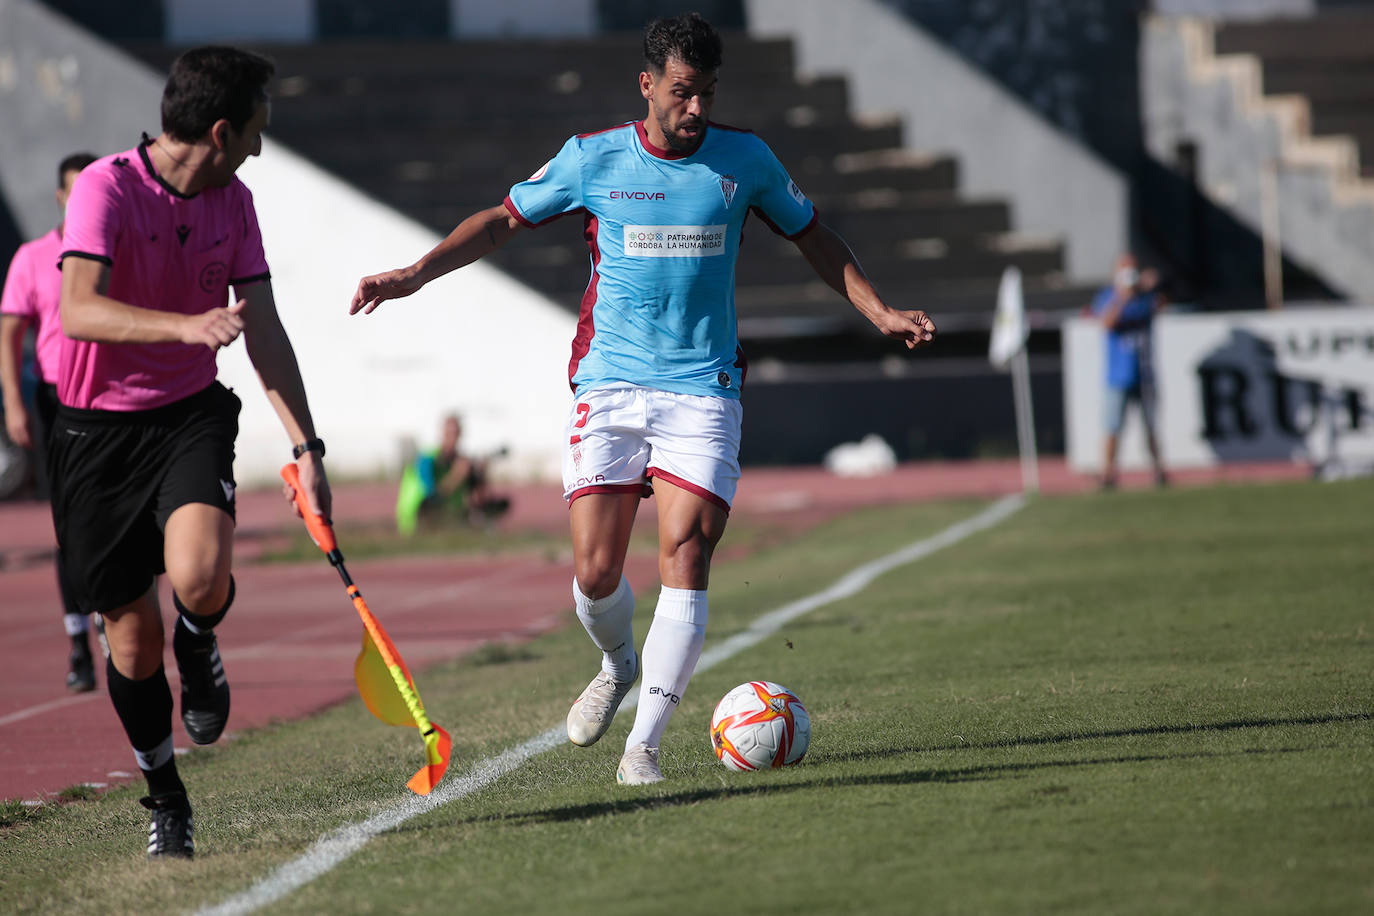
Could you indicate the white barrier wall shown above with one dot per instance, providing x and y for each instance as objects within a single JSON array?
[
  {"x": 1237, "y": 386},
  {"x": 475, "y": 341}
]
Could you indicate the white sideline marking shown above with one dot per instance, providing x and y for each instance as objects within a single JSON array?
[
  {"x": 336, "y": 846},
  {"x": 49, "y": 706}
]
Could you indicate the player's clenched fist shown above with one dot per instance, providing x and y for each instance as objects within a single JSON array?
[
  {"x": 912, "y": 327},
  {"x": 374, "y": 290},
  {"x": 215, "y": 328}
]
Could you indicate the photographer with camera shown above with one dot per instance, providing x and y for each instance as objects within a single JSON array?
[{"x": 1127, "y": 310}]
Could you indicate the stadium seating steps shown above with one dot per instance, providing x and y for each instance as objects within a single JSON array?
[
  {"x": 1328, "y": 58},
  {"x": 439, "y": 129}
]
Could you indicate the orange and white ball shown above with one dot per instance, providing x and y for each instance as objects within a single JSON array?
[{"x": 758, "y": 726}]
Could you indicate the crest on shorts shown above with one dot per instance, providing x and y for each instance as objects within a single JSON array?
[{"x": 727, "y": 189}]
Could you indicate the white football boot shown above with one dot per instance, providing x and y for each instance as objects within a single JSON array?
[
  {"x": 639, "y": 767},
  {"x": 591, "y": 715}
]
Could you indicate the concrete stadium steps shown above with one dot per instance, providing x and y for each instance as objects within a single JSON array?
[
  {"x": 476, "y": 183},
  {"x": 873, "y": 230},
  {"x": 1327, "y": 58},
  {"x": 544, "y": 269},
  {"x": 777, "y": 309},
  {"x": 486, "y": 62},
  {"x": 1351, "y": 82},
  {"x": 1337, "y": 36},
  {"x": 1208, "y": 88},
  {"x": 440, "y": 129},
  {"x": 538, "y": 96},
  {"x": 443, "y": 138}
]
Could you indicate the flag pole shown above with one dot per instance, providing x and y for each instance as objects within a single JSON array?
[
  {"x": 1025, "y": 422},
  {"x": 1007, "y": 351}
]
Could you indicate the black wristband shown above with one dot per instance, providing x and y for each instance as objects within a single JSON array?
[{"x": 309, "y": 445}]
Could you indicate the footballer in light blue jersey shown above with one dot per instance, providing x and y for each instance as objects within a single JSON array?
[
  {"x": 664, "y": 231},
  {"x": 656, "y": 366}
]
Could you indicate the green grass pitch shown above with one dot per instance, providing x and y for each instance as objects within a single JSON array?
[{"x": 1141, "y": 702}]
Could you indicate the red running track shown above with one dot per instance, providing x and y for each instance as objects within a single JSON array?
[{"x": 291, "y": 638}]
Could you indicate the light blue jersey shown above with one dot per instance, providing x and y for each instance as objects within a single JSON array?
[{"x": 664, "y": 232}]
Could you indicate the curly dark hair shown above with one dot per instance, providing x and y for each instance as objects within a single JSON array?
[
  {"x": 210, "y": 83},
  {"x": 689, "y": 38}
]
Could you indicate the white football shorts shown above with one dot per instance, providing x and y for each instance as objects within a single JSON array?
[{"x": 617, "y": 438}]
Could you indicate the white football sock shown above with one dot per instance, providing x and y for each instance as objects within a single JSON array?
[
  {"x": 670, "y": 656},
  {"x": 609, "y": 622}
]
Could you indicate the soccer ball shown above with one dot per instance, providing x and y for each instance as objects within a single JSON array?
[{"x": 758, "y": 726}]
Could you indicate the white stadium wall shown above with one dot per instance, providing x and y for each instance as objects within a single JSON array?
[
  {"x": 477, "y": 341},
  {"x": 1292, "y": 385}
]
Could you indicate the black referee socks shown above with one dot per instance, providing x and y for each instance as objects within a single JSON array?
[
  {"x": 200, "y": 624},
  {"x": 145, "y": 709}
]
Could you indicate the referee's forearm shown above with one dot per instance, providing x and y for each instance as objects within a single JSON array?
[
  {"x": 280, "y": 375},
  {"x": 104, "y": 320}
]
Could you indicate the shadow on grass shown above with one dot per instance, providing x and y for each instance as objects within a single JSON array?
[
  {"x": 903, "y": 778},
  {"x": 1032, "y": 740}
]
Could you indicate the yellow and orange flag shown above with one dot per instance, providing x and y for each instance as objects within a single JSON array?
[{"x": 383, "y": 680}]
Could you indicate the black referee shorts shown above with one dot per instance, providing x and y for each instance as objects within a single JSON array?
[{"x": 118, "y": 476}]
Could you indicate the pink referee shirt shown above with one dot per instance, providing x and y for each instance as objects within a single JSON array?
[
  {"x": 165, "y": 251},
  {"x": 33, "y": 289}
]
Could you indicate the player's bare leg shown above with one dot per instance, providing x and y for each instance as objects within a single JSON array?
[
  {"x": 689, "y": 527},
  {"x": 198, "y": 552},
  {"x": 601, "y": 526}
]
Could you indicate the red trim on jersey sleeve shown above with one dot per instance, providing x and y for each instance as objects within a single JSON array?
[
  {"x": 586, "y": 324},
  {"x": 688, "y": 486},
  {"x": 515, "y": 212},
  {"x": 642, "y": 489},
  {"x": 520, "y": 217},
  {"x": 815, "y": 218}
]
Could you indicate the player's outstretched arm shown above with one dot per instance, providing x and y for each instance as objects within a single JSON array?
[
  {"x": 89, "y": 314},
  {"x": 480, "y": 234},
  {"x": 830, "y": 257},
  {"x": 274, "y": 358}
]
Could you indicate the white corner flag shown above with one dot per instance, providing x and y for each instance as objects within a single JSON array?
[
  {"x": 1007, "y": 350},
  {"x": 1009, "y": 327}
]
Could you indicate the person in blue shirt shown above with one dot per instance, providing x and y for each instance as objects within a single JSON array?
[
  {"x": 656, "y": 364},
  {"x": 1127, "y": 311}
]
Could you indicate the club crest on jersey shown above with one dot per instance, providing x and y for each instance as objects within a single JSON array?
[{"x": 727, "y": 189}]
